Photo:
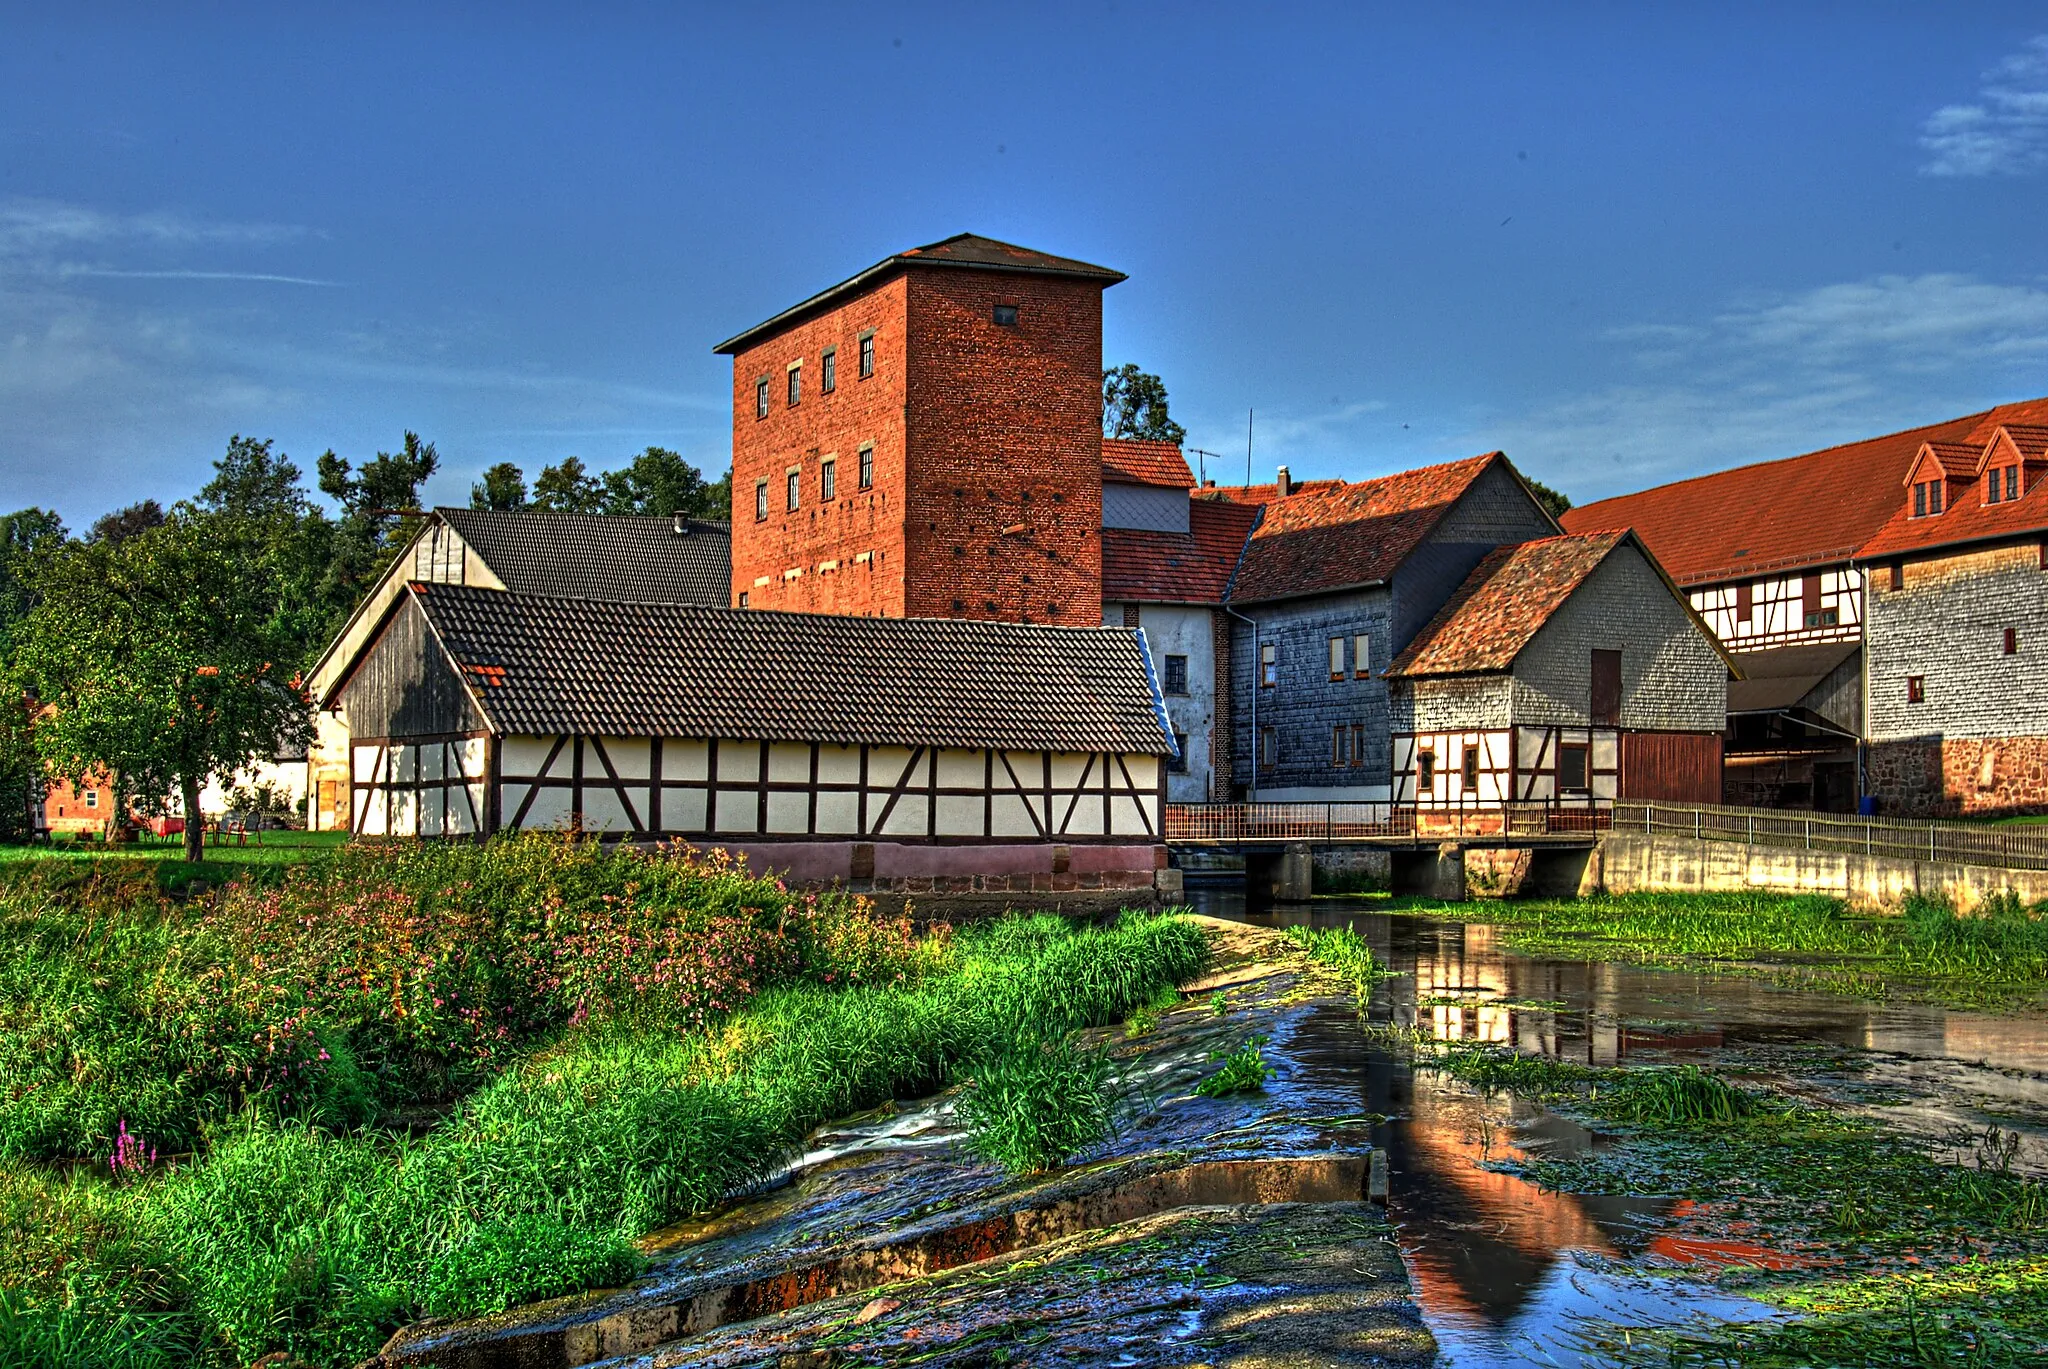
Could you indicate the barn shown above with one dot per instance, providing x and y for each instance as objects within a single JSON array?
[
  {"x": 1566, "y": 672},
  {"x": 887, "y": 751}
]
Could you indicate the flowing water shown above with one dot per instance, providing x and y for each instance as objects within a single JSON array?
[{"x": 1511, "y": 1275}]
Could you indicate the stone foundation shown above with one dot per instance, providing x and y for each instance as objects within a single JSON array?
[
  {"x": 937, "y": 880},
  {"x": 1959, "y": 776}
]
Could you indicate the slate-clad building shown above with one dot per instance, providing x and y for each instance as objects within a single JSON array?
[
  {"x": 877, "y": 751},
  {"x": 609, "y": 557},
  {"x": 1336, "y": 579},
  {"x": 1566, "y": 671}
]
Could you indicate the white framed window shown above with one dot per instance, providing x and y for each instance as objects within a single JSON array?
[
  {"x": 1269, "y": 666},
  {"x": 760, "y": 501},
  {"x": 828, "y": 479},
  {"x": 828, "y": 371},
  {"x": 761, "y": 397},
  {"x": 1361, "y": 656},
  {"x": 1336, "y": 658}
]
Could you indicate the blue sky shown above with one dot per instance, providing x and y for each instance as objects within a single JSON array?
[{"x": 1625, "y": 243}]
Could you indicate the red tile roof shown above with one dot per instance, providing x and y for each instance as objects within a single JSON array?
[
  {"x": 1804, "y": 511},
  {"x": 1957, "y": 460},
  {"x": 2017, "y": 441},
  {"x": 1192, "y": 567},
  {"x": 1503, "y": 603},
  {"x": 1968, "y": 518},
  {"x": 1265, "y": 494},
  {"x": 1342, "y": 535},
  {"x": 1133, "y": 461}
]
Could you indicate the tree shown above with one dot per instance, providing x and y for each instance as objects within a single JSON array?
[
  {"x": 252, "y": 482},
  {"x": 159, "y": 659},
  {"x": 374, "y": 503},
  {"x": 27, "y": 539},
  {"x": 568, "y": 488},
  {"x": 660, "y": 482},
  {"x": 1553, "y": 502},
  {"x": 122, "y": 524},
  {"x": 1134, "y": 405},
  {"x": 503, "y": 487}
]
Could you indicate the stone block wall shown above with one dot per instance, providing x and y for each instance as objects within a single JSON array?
[{"x": 1959, "y": 776}]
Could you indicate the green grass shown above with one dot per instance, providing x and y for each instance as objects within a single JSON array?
[
  {"x": 1345, "y": 953},
  {"x": 1038, "y": 1103},
  {"x": 266, "y": 855},
  {"x": 1244, "y": 1071},
  {"x": 1995, "y": 958},
  {"x": 284, "y": 1237}
]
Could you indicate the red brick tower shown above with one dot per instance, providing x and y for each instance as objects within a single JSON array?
[{"x": 925, "y": 440}]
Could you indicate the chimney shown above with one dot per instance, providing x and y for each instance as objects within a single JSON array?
[
  {"x": 679, "y": 526},
  {"x": 1284, "y": 486}
]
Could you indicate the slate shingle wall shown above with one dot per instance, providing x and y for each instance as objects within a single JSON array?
[
  {"x": 1307, "y": 703},
  {"x": 1671, "y": 676},
  {"x": 1948, "y": 626}
]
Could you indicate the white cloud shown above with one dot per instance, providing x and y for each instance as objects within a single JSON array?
[
  {"x": 2005, "y": 132},
  {"x": 31, "y": 227},
  {"x": 1775, "y": 377}
]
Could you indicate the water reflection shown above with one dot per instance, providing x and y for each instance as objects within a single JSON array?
[{"x": 1506, "y": 1273}]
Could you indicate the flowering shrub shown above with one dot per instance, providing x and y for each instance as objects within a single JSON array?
[{"x": 392, "y": 975}]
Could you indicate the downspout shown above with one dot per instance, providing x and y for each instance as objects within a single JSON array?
[{"x": 1252, "y": 786}]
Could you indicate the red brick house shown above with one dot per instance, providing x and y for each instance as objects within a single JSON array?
[{"x": 83, "y": 808}]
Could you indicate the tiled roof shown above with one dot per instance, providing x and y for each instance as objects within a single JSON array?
[
  {"x": 1788, "y": 515},
  {"x": 1133, "y": 461},
  {"x": 1955, "y": 459},
  {"x": 545, "y": 666},
  {"x": 2028, "y": 440},
  {"x": 1967, "y": 517},
  {"x": 1265, "y": 494},
  {"x": 1192, "y": 567},
  {"x": 1503, "y": 603},
  {"x": 968, "y": 251},
  {"x": 1341, "y": 535},
  {"x": 598, "y": 556}
]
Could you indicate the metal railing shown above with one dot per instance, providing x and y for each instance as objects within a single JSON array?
[
  {"x": 1956, "y": 843},
  {"x": 1336, "y": 822}
]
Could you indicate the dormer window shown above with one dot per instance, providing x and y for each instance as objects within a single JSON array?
[
  {"x": 2012, "y": 482},
  {"x": 1992, "y": 481},
  {"x": 1926, "y": 498}
]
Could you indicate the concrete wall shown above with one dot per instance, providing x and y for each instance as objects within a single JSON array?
[
  {"x": 1632, "y": 863},
  {"x": 1672, "y": 678}
]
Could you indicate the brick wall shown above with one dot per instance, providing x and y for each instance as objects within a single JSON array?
[
  {"x": 1672, "y": 678},
  {"x": 822, "y": 532},
  {"x": 1003, "y": 513},
  {"x": 1959, "y": 776}
]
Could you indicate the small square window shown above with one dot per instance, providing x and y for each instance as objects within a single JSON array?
[
  {"x": 1269, "y": 748},
  {"x": 761, "y": 397},
  {"x": 743, "y": 597},
  {"x": 1425, "y": 771},
  {"x": 1361, "y": 656},
  {"x": 828, "y": 479},
  {"x": 1336, "y": 658},
  {"x": 867, "y": 355},
  {"x": 760, "y": 500},
  {"x": 1176, "y": 675},
  {"x": 92, "y": 798},
  {"x": 2012, "y": 641},
  {"x": 1269, "y": 666},
  {"x": 796, "y": 487},
  {"x": 1898, "y": 575},
  {"x": 828, "y": 371},
  {"x": 1006, "y": 316},
  {"x": 796, "y": 384},
  {"x": 1572, "y": 769},
  {"x": 1916, "y": 689},
  {"x": 1178, "y": 763}
]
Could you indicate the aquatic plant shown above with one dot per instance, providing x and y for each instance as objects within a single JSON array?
[
  {"x": 1343, "y": 951},
  {"x": 1244, "y": 1071},
  {"x": 1039, "y": 1103}
]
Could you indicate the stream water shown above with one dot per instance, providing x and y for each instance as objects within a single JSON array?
[{"x": 1509, "y": 1275}]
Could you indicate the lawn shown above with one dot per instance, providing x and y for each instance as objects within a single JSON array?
[
  {"x": 443, "y": 1079},
  {"x": 227, "y": 857}
]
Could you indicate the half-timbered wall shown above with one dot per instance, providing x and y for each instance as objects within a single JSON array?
[
  {"x": 420, "y": 787},
  {"x": 649, "y": 787},
  {"x": 1515, "y": 764},
  {"x": 1786, "y": 610}
]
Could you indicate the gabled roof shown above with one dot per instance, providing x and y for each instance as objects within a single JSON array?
[
  {"x": 1504, "y": 603},
  {"x": 1192, "y": 567},
  {"x": 1318, "y": 540},
  {"x": 2016, "y": 442},
  {"x": 967, "y": 251},
  {"x": 1780, "y": 516},
  {"x": 1956, "y": 461},
  {"x": 1266, "y": 494},
  {"x": 542, "y": 666},
  {"x": 1136, "y": 461},
  {"x": 601, "y": 556}
]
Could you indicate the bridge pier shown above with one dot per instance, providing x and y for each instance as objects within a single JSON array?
[
  {"x": 1438, "y": 874},
  {"x": 1285, "y": 876}
]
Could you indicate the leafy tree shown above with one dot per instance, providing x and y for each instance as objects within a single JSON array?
[
  {"x": 568, "y": 488},
  {"x": 27, "y": 539},
  {"x": 1552, "y": 501},
  {"x": 122, "y": 524},
  {"x": 1134, "y": 405},
  {"x": 503, "y": 487},
  {"x": 252, "y": 482},
  {"x": 374, "y": 504},
  {"x": 660, "y": 482},
  {"x": 159, "y": 659}
]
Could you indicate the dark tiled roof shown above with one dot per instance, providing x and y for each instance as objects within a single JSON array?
[
  {"x": 1133, "y": 461},
  {"x": 1192, "y": 567},
  {"x": 1336, "y": 536},
  {"x": 1968, "y": 517},
  {"x": 545, "y": 666},
  {"x": 963, "y": 250},
  {"x": 598, "y": 556},
  {"x": 1503, "y": 603},
  {"x": 1804, "y": 511}
]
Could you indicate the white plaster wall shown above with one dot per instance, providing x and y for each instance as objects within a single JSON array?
[{"x": 1183, "y": 630}]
